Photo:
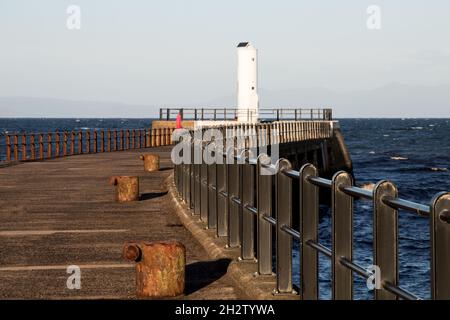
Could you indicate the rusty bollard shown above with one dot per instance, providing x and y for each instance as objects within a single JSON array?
[
  {"x": 127, "y": 188},
  {"x": 151, "y": 162},
  {"x": 160, "y": 267}
]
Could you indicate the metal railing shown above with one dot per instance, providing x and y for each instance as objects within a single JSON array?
[
  {"x": 275, "y": 114},
  {"x": 233, "y": 198},
  {"x": 41, "y": 146}
]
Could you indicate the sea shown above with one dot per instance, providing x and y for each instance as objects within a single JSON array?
[{"x": 413, "y": 153}]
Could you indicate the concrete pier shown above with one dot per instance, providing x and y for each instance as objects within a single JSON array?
[{"x": 61, "y": 212}]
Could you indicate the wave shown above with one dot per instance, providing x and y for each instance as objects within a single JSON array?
[
  {"x": 438, "y": 169},
  {"x": 399, "y": 158},
  {"x": 424, "y": 169},
  {"x": 367, "y": 186}
]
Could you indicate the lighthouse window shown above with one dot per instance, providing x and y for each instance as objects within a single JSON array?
[
  {"x": 253, "y": 88},
  {"x": 253, "y": 59}
]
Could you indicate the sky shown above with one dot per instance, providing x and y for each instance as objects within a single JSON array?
[{"x": 151, "y": 54}]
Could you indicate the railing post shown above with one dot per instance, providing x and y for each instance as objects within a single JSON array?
[
  {"x": 146, "y": 138},
  {"x": 88, "y": 142},
  {"x": 41, "y": 146},
  {"x": 139, "y": 136},
  {"x": 72, "y": 143},
  {"x": 49, "y": 145},
  {"x": 212, "y": 192},
  {"x": 204, "y": 205},
  {"x": 102, "y": 141},
  {"x": 127, "y": 139},
  {"x": 248, "y": 199},
  {"x": 264, "y": 205},
  {"x": 164, "y": 137},
  {"x": 158, "y": 137},
  {"x": 122, "y": 140},
  {"x": 191, "y": 172},
  {"x": 222, "y": 193},
  {"x": 186, "y": 179},
  {"x": 32, "y": 147},
  {"x": 133, "y": 139},
  {"x": 153, "y": 138},
  {"x": 170, "y": 132},
  {"x": 16, "y": 147},
  {"x": 115, "y": 140},
  {"x": 65, "y": 143},
  {"x": 109, "y": 140},
  {"x": 385, "y": 236},
  {"x": 197, "y": 154},
  {"x": 440, "y": 240},
  {"x": 24, "y": 147},
  {"x": 95, "y": 141},
  {"x": 283, "y": 192},
  {"x": 57, "y": 144},
  {"x": 342, "y": 236},
  {"x": 309, "y": 221},
  {"x": 8, "y": 148},
  {"x": 80, "y": 142},
  {"x": 234, "y": 209}
]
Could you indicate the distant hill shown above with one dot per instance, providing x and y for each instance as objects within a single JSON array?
[
  {"x": 392, "y": 100},
  {"x": 59, "y": 108}
]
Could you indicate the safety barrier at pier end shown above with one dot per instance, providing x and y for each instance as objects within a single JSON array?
[
  {"x": 254, "y": 210},
  {"x": 272, "y": 114}
]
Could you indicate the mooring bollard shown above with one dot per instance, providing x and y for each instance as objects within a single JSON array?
[
  {"x": 127, "y": 188},
  {"x": 151, "y": 162},
  {"x": 160, "y": 267}
]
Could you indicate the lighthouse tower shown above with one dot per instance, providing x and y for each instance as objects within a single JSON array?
[{"x": 247, "y": 83}]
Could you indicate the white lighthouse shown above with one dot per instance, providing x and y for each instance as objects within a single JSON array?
[{"x": 247, "y": 83}]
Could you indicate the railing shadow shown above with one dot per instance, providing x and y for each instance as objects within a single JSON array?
[{"x": 201, "y": 274}]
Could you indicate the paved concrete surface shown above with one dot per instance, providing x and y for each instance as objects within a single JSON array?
[{"x": 61, "y": 212}]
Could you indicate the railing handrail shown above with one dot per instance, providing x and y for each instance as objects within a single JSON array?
[
  {"x": 224, "y": 197},
  {"x": 12, "y": 133}
]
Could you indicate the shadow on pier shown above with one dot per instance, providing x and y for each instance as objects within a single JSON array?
[
  {"x": 201, "y": 274},
  {"x": 151, "y": 195}
]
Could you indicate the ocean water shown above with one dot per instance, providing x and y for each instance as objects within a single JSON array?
[{"x": 413, "y": 153}]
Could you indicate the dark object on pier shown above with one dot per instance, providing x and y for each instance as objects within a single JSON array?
[
  {"x": 127, "y": 188},
  {"x": 151, "y": 162},
  {"x": 160, "y": 267}
]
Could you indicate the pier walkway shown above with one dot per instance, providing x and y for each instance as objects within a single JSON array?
[{"x": 61, "y": 212}]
